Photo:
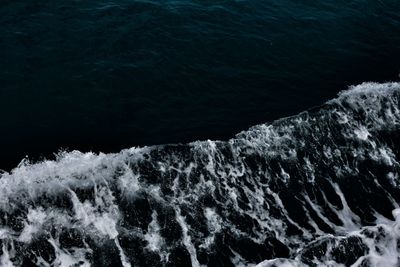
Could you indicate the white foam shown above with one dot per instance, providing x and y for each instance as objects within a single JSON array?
[
  {"x": 155, "y": 242},
  {"x": 230, "y": 180},
  {"x": 88, "y": 215},
  {"x": 351, "y": 222},
  {"x": 124, "y": 260},
  {"x": 186, "y": 240},
  {"x": 214, "y": 226},
  {"x": 35, "y": 220},
  {"x": 362, "y": 133},
  {"x": 71, "y": 257},
  {"x": 5, "y": 259}
]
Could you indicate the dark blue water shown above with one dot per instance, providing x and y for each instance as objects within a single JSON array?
[
  {"x": 103, "y": 75},
  {"x": 319, "y": 188}
]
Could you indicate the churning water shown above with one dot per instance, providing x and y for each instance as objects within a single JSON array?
[
  {"x": 320, "y": 188},
  {"x": 101, "y": 75}
]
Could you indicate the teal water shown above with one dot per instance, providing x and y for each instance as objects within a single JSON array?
[
  {"x": 315, "y": 189},
  {"x": 107, "y": 75}
]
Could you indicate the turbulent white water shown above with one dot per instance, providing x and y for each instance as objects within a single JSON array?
[{"x": 318, "y": 189}]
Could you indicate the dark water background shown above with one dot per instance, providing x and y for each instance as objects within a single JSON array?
[{"x": 102, "y": 75}]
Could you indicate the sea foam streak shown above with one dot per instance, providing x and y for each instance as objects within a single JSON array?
[{"x": 317, "y": 189}]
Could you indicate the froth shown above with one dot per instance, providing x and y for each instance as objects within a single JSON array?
[{"x": 312, "y": 189}]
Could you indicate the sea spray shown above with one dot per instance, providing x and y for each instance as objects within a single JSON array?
[{"x": 317, "y": 189}]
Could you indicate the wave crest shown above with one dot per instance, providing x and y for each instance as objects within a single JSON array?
[{"x": 304, "y": 190}]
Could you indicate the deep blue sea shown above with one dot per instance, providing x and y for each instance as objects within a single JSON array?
[
  {"x": 100, "y": 75},
  {"x": 200, "y": 133}
]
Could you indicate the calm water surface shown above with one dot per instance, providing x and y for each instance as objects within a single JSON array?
[{"x": 106, "y": 75}]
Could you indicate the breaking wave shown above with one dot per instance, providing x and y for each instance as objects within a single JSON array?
[{"x": 318, "y": 189}]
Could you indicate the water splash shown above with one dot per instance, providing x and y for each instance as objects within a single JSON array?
[{"x": 316, "y": 189}]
